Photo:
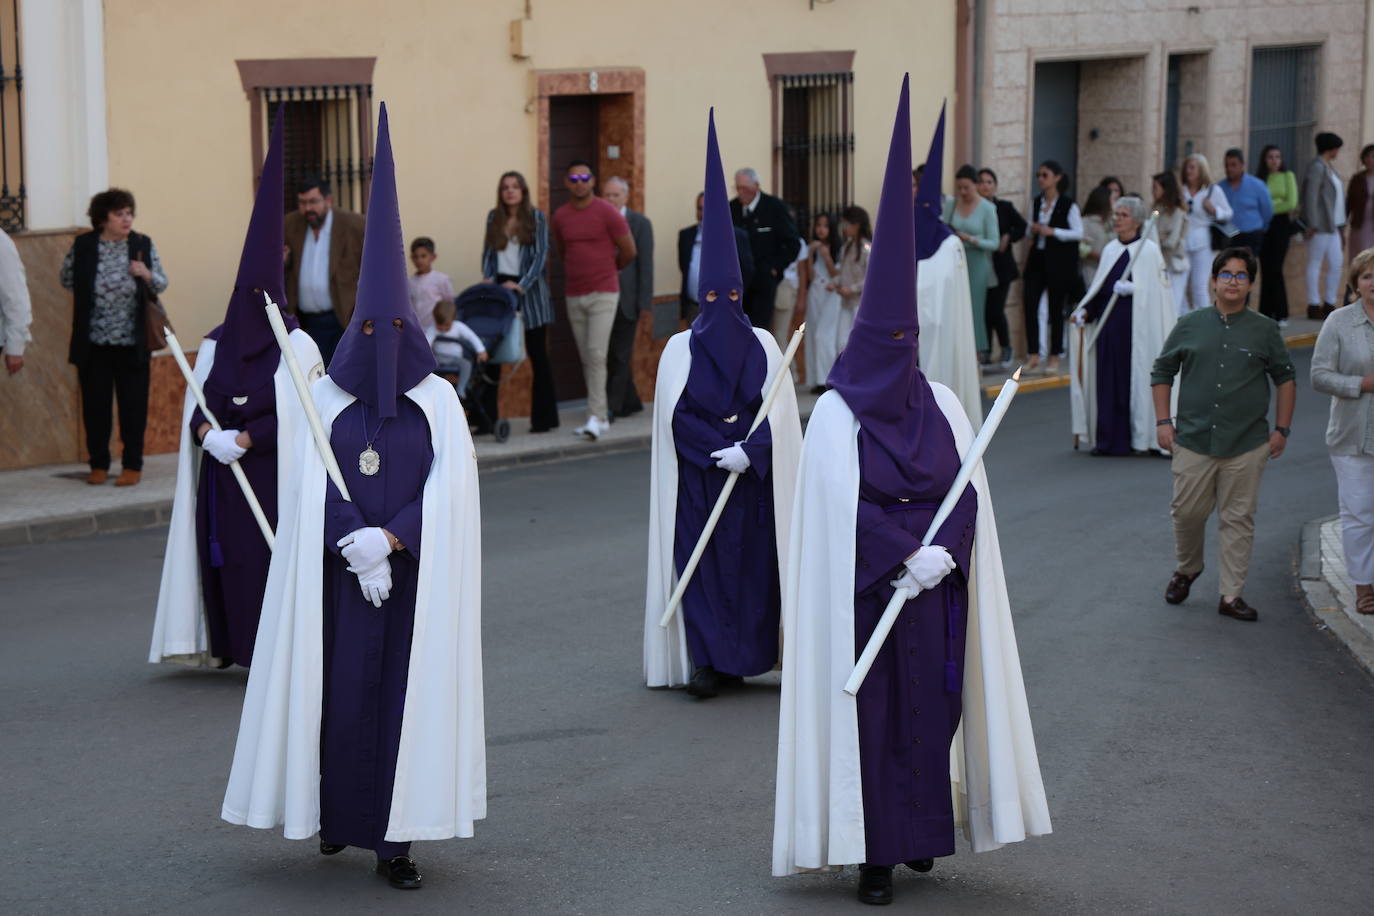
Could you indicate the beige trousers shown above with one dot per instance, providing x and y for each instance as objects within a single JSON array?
[
  {"x": 592, "y": 317},
  {"x": 784, "y": 304},
  {"x": 1231, "y": 486}
]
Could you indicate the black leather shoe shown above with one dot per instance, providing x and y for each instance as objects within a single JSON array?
[
  {"x": 401, "y": 872},
  {"x": 1180, "y": 584},
  {"x": 705, "y": 683},
  {"x": 330, "y": 849},
  {"x": 1237, "y": 609},
  {"x": 875, "y": 884},
  {"x": 921, "y": 865},
  {"x": 1314, "y": 313}
]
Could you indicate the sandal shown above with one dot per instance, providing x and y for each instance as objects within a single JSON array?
[{"x": 1364, "y": 599}]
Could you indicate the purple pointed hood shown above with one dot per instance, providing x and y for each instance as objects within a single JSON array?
[
  {"x": 729, "y": 365},
  {"x": 930, "y": 203},
  {"x": 904, "y": 440},
  {"x": 246, "y": 351},
  {"x": 379, "y": 365}
]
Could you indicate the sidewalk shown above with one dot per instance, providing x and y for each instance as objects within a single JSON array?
[
  {"x": 52, "y": 503},
  {"x": 1329, "y": 593}
]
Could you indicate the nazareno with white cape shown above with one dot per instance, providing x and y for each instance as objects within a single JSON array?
[
  {"x": 940, "y": 733},
  {"x": 215, "y": 568},
  {"x": 363, "y": 719},
  {"x": 711, "y": 385}
]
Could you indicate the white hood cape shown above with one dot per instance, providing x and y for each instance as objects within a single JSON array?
[
  {"x": 994, "y": 773},
  {"x": 665, "y": 650},
  {"x": 441, "y": 766},
  {"x": 1152, "y": 318},
  {"x": 179, "y": 628},
  {"x": 948, "y": 348}
]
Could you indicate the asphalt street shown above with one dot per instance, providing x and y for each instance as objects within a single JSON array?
[{"x": 1194, "y": 764}]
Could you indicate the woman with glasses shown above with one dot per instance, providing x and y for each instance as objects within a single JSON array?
[
  {"x": 1051, "y": 273},
  {"x": 1205, "y": 204}
]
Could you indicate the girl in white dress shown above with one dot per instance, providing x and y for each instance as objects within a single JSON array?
[{"x": 822, "y": 301}]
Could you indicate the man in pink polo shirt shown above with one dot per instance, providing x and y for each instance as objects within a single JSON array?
[{"x": 593, "y": 241}]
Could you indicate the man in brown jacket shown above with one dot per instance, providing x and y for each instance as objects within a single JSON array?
[{"x": 324, "y": 250}]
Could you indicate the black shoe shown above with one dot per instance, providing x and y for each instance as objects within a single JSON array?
[
  {"x": 729, "y": 680},
  {"x": 705, "y": 683},
  {"x": 1314, "y": 313},
  {"x": 921, "y": 865},
  {"x": 330, "y": 849},
  {"x": 875, "y": 884},
  {"x": 401, "y": 872}
]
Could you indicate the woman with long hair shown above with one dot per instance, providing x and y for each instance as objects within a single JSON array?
[
  {"x": 514, "y": 254},
  {"x": 1051, "y": 272},
  {"x": 1097, "y": 230},
  {"x": 1205, "y": 203},
  {"x": 858, "y": 235},
  {"x": 822, "y": 299},
  {"x": 1171, "y": 228},
  {"x": 1283, "y": 191}
]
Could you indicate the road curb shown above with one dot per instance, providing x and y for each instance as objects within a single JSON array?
[{"x": 1321, "y": 602}]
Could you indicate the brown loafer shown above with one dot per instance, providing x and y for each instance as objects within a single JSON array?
[
  {"x": 97, "y": 476},
  {"x": 1238, "y": 609},
  {"x": 128, "y": 478},
  {"x": 1364, "y": 599},
  {"x": 1176, "y": 592}
]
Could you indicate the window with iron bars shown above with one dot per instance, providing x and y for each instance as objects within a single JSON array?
[
  {"x": 1283, "y": 103},
  {"x": 327, "y": 132},
  {"x": 815, "y": 147},
  {"x": 12, "y": 192}
]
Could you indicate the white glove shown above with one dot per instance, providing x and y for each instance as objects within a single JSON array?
[
  {"x": 221, "y": 444},
  {"x": 376, "y": 582},
  {"x": 929, "y": 566},
  {"x": 907, "y": 581},
  {"x": 732, "y": 459},
  {"x": 1124, "y": 288},
  {"x": 364, "y": 549},
  {"x": 1079, "y": 317}
]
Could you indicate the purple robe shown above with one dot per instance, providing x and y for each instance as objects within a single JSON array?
[
  {"x": 910, "y": 704},
  {"x": 234, "y": 555},
  {"x": 1113, "y": 364},
  {"x": 367, "y": 649},
  {"x": 732, "y": 604}
]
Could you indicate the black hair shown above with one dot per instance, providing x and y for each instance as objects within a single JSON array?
[
  {"x": 918, "y": 171},
  {"x": 988, "y": 172},
  {"x": 857, "y": 216},
  {"x": 424, "y": 242},
  {"x": 1368, "y": 148},
  {"x": 1099, "y": 202},
  {"x": 107, "y": 202},
  {"x": 835, "y": 240},
  {"x": 1262, "y": 167},
  {"x": 1063, "y": 183},
  {"x": 310, "y": 182},
  {"x": 1234, "y": 153},
  {"x": 1327, "y": 141},
  {"x": 1172, "y": 198},
  {"x": 1110, "y": 180},
  {"x": 1235, "y": 254},
  {"x": 582, "y": 162},
  {"x": 968, "y": 173}
]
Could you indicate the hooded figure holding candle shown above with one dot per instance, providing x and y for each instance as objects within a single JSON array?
[
  {"x": 867, "y": 780},
  {"x": 712, "y": 380},
  {"x": 363, "y": 717},
  {"x": 215, "y": 567}
]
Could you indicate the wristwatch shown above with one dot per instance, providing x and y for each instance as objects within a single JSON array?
[
  {"x": 1286, "y": 430},
  {"x": 1166, "y": 422}
]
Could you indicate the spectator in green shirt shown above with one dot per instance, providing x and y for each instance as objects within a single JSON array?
[
  {"x": 1283, "y": 191},
  {"x": 1220, "y": 437}
]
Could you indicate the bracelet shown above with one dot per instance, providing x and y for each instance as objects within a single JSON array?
[{"x": 1165, "y": 422}]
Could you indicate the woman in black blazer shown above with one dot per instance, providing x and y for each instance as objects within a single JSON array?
[{"x": 1051, "y": 273}]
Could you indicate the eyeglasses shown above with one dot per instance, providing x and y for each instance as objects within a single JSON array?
[
  {"x": 1225, "y": 277},
  {"x": 578, "y": 179}
]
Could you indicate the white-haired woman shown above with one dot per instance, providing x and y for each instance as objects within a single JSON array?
[{"x": 1205, "y": 203}]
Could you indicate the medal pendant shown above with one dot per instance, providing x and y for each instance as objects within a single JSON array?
[
  {"x": 369, "y": 462},
  {"x": 241, "y": 400}
]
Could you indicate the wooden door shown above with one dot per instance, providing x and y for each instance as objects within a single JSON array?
[{"x": 572, "y": 135}]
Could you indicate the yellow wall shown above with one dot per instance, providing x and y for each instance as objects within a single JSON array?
[{"x": 179, "y": 119}]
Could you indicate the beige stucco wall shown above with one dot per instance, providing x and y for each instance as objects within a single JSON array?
[{"x": 460, "y": 104}]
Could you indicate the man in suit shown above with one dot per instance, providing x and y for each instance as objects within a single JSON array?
[
  {"x": 773, "y": 239},
  {"x": 689, "y": 260},
  {"x": 636, "y": 294},
  {"x": 1323, "y": 209},
  {"x": 324, "y": 253}
]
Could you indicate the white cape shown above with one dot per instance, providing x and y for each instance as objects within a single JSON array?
[
  {"x": 179, "y": 628},
  {"x": 665, "y": 650},
  {"x": 949, "y": 350},
  {"x": 441, "y": 766},
  {"x": 994, "y": 771},
  {"x": 1152, "y": 318}
]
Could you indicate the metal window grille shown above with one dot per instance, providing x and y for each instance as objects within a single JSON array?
[
  {"x": 12, "y": 193},
  {"x": 816, "y": 143},
  {"x": 327, "y": 132},
  {"x": 1283, "y": 102}
]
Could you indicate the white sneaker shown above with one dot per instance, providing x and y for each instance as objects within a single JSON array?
[{"x": 596, "y": 428}]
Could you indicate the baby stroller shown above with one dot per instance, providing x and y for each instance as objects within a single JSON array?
[{"x": 489, "y": 310}]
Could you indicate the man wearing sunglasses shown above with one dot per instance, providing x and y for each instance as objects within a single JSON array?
[
  {"x": 1219, "y": 435},
  {"x": 593, "y": 242}
]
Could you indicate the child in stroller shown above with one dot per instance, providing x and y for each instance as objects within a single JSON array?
[
  {"x": 456, "y": 347},
  {"x": 488, "y": 311}
]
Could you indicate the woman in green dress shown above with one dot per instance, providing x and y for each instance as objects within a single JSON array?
[{"x": 974, "y": 221}]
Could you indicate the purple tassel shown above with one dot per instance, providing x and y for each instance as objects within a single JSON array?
[
  {"x": 953, "y": 683},
  {"x": 216, "y": 555}
]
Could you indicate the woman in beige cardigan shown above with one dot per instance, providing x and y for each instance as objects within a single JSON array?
[
  {"x": 858, "y": 234},
  {"x": 1343, "y": 367}
]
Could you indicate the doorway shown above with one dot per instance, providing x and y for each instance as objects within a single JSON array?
[
  {"x": 1055, "y": 130},
  {"x": 573, "y": 134}
]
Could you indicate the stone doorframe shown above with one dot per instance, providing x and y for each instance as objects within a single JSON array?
[{"x": 614, "y": 81}]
